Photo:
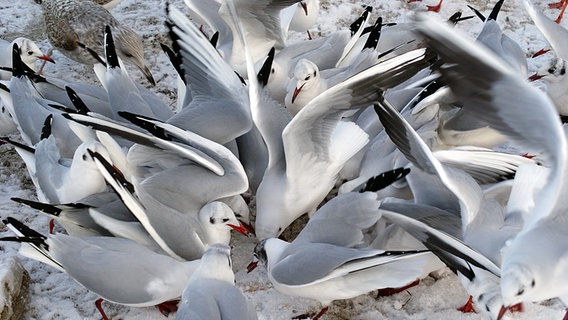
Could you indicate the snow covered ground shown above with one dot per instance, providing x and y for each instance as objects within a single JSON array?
[{"x": 54, "y": 295}]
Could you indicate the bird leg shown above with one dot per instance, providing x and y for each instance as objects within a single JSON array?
[
  {"x": 48, "y": 53},
  {"x": 556, "y": 5},
  {"x": 468, "y": 306},
  {"x": 168, "y": 307},
  {"x": 435, "y": 8},
  {"x": 390, "y": 291},
  {"x": 99, "y": 305},
  {"x": 540, "y": 52},
  {"x": 51, "y": 225},
  {"x": 307, "y": 315},
  {"x": 564, "y": 4}
]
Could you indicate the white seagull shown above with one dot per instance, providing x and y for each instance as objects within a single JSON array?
[{"x": 211, "y": 294}]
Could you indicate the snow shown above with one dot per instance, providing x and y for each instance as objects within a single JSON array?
[{"x": 54, "y": 295}]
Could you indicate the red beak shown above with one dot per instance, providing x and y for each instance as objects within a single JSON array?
[
  {"x": 296, "y": 91},
  {"x": 248, "y": 226},
  {"x": 240, "y": 229},
  {"x": 540, "y": 52},
  {"x": 46, "y": 58},
  {"x": 252, "y": 266},
  {"x": 304, "y": 6},
  {"x": 535, "y": 77}
]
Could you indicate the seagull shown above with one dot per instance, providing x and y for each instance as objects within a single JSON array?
[
  {"x": 75, "y": 218},
  {"x": 117, "y": 82},
  {"x": 261, "y": 22},
  {"x": 210, "y": 292},
  {"x": 119, "y": 270},
  {"x": 554, "y": 73},
  {"x": 303, "y": 15},
  {"x": 218, "y": 106},
  {"x": 527, "y": 116},
  {"x": 29, "y": 53},
  {"x": 309, "y": 152},
  {"x": 183, "y": 219},
  {"x": 493, "y": 37},
  {"x": 325, "y": 262},
  {"x": 323, "y": 51},
  {"x": 70, "y": 23}
]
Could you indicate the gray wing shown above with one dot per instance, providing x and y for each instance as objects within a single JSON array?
[
  {"x": 341, "y": 220},
  {"x": 120, "y": 270}
]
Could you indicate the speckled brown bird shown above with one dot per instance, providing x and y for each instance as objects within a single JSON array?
[{"x": 70, "y": 22}]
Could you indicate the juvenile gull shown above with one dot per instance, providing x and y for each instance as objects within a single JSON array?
[{"x": 70, "y": 22}]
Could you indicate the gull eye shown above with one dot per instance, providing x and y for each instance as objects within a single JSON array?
[
  {"x": 212, "y": 220},
  {"x": 84, "y": 157},
  {"x": 562, "y": 71},
  {"x": 315, "y": 73},
  {"x": 272, "y": 70},
  {"x": 552, "y": 69},
  {"x": 533, "y": 283}
]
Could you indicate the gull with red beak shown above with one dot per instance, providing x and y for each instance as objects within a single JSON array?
[{"x": 29, "y": 53}]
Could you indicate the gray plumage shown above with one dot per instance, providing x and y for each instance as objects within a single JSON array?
[{"x": 70, "y": 22}]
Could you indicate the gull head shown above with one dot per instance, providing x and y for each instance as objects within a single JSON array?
[
  {"x": 218, "y": 219},
  {"x": 131, "y": 50},
  {"x": 517, "y": 284},
  {"x": 30, "y": 52},
  {"x": 305, "y": 73}
]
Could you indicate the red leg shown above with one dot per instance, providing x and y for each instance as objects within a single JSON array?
[
  {"x": 561, "y": 11},
  {"x": 99, "y": 305},
  {"x": 51, "y": 225},
  {"x": 322, "y": 311},
  {"x": 168, "y": 307},
  {"x": 435, "y": 8},
  {"x": 307, "y": 315},
  {"x": 468, "y": 306},
  {"x": 390, "y": 291},
  {"x": 556, "y": 5}
]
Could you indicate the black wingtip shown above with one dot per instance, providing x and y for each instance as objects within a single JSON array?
[
  {"x": 496, "y": 9},
  {"x": 4, "y": 87},
  {"x": 112, "y": 170},
  {"x": 47, "y": 126},
  {"x": 78, "y": 103},
  {"x": 144, "y": 123},
  {"x": 374, "y": 35},
  {"x": 110, "y": 50},
  {"x": 17, "y": 144},
  {"x": 214, "y": 39},
  {"x": 264, "y": 73},
  {"x": 385, "y": 179},
  {"x": 477, "y": 13},
  {"x": 43, "y": 207},
  {"x": 175, "y": 59},
  {"x": 17, "y": 63},
  {"x": 25, "y": 230},
  {"x": 92, "y": 53},
  {"x": 359, "y": 21}
]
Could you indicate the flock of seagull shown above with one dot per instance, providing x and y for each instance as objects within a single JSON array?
[{"x": 388, "y": 135}]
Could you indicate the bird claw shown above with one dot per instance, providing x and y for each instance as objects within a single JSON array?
[
  {"x": 168, "y": 307},
  {"x": 468, "y": 306}
]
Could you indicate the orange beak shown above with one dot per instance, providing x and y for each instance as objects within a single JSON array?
[
  {"x": 296, "y": 91},
  {"x": 46, "y": 58},
  {"x": 240, "y": 229}
]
